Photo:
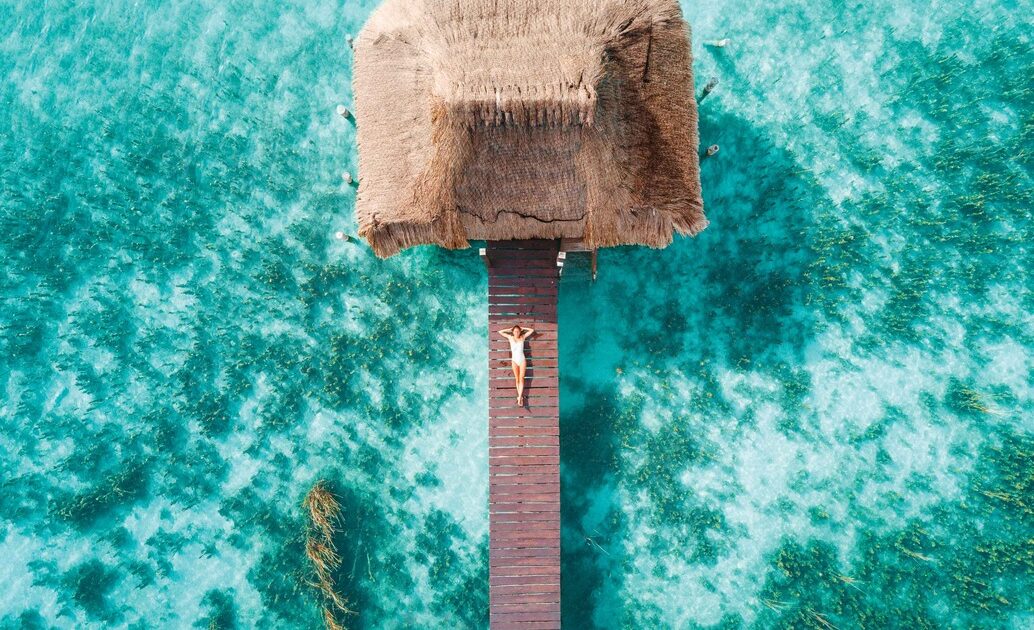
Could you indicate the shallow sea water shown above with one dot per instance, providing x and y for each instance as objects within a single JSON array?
[{"x": 819, "y": 413}]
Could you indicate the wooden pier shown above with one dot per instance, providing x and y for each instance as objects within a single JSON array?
[{"x": 524, "y": 442}]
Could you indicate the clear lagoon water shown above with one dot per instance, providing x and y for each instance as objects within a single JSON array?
[{"x": 817, "y": 414}]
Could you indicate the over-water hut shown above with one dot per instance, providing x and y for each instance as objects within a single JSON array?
[{"x": 535, "y": 125}]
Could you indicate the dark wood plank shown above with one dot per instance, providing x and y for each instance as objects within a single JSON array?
[
  {"x": 524, "y": 501},
  {"x": 530, "y": 501},
  {"x": 525, "y": 440},
  {"x": 498, "y": 300},
  {"x": 529, "y": 598},
  {"x": 533, "y": 586},
  {"x": 506, "y": 317},
  {"x": 536, "y": 317},
  {"x": 494, "y": 619},
  {"x": 511, "y": 601},
  {"x": 505, "y": 602},
  {"x": 508, "y": 288},
  {"x": 525, "y": 317},
  {"x": 532, "y": 451},
  {"x": 541, "y": 492},
  {"x": 543, "y": 543},
  {"x": 511, "y": 286},
  {"x": 506, "y": 269},
  {"x": 522, "y": 477},
  {"x": 522, "y": 417},
  {"x": 546, "y": 469},
  {"x": 540, "y": 539},
  {"x": 520, "y": 574},
  {"x": 524, "y": 508},
  {"x": 526, "y": 575},
  {"x": 499, "y": 452},
  {"x": 523, "y": 460},
  {"x": 521, "y": 436},
  {"x": 512, "y": 530},
  {"x": 527, "y": 552},
  {"x": 510, "y": 614},
  {"x": 530, "y": 607},
  {"x": 545, "y": 561},
  {"x": 541, "y": 331},
  {"x": 503, "y": 431},
  {"x": 500, "y": 313},
  {"x": 511, "y": 607},
  {"x": 512, "y": 291},
  {"x": 526, "y": 518},
  {"x": 532, "y": 399},
  {"x": 526, "y": 625},
  {"x": 529, "y": 537},
  {"x": 528, "y": 316},
  {"x": 531, "y": 492},
  {"x": 554, "y": 544}
]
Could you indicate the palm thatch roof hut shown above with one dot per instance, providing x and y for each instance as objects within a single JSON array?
[{"x": 521, "y": 119}]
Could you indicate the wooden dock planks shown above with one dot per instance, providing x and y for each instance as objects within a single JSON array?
[{"x": 524, "y": 442}]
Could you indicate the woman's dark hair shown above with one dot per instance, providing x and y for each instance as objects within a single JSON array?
[{"x": 518, "y": 328}]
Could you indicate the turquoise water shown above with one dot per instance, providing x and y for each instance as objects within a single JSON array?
[{"x": 820, "y": 411}]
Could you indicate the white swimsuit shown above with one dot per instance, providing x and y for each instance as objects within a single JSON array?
[{"x": 517, "y": 351}]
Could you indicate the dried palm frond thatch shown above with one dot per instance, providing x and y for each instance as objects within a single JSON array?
[{"x": 480, "y": 119}]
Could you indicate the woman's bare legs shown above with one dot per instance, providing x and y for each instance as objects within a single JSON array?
[{"x": 518, "y": 380}]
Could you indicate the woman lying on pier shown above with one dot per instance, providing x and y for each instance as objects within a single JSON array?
[{"x": 516, "y": 336}]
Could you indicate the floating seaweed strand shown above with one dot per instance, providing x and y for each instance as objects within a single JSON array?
[{"x": 324, "y": 512}]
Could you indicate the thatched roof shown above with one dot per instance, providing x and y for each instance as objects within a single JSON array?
[{"x": 510, "y": 119}]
